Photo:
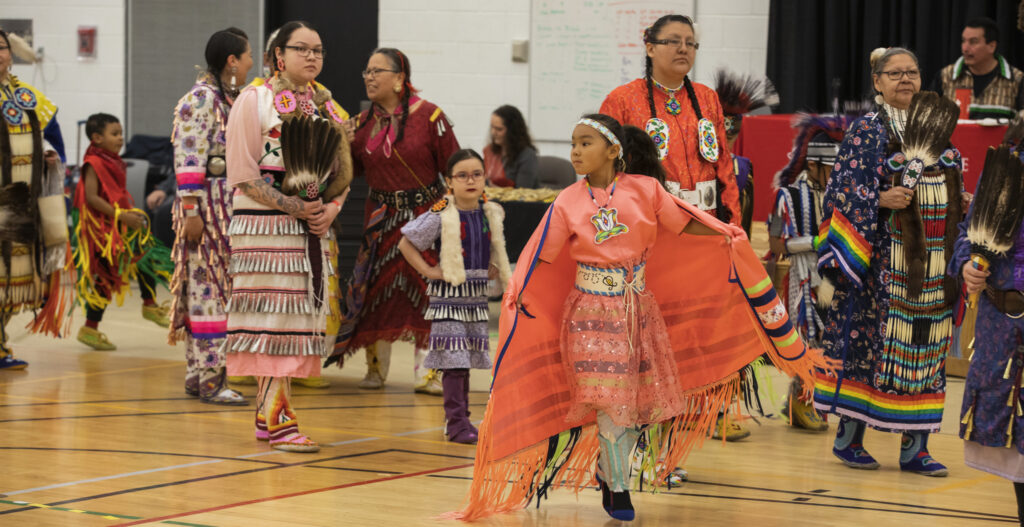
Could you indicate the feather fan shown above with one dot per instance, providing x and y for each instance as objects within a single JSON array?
[
  {"x": 308, "y": 148},
  {"x": 930, "y": 123},
  {"x": 998, "y": 208},
  {"x": 16, "y": 223}
]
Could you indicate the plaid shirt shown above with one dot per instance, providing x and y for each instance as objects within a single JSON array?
[{"x": 1003, "y": 97}]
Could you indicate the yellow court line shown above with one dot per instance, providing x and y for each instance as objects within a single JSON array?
[
  {"x": 961, "y": 484},
  {"x": 82, "y": 375}
]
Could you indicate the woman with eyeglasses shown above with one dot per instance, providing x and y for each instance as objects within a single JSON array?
[
  {"x": 682, "y": 117},
  {"x": 883, "y": 251},
  {"x": 277, "y": 310},
  {"x": 33, "y": 218},
  {"x": 401, "y": 145}
]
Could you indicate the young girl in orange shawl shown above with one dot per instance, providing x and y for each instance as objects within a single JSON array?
[{"x": 648, "y": 341}]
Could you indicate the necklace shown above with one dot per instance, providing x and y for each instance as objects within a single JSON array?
[
  {"x": 672, "y": 105},
  {"x": 606, "y": 221}
]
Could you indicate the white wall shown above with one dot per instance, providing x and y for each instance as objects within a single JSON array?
[
  {"x": 461, "y": 53},
  {"x": 78, "y": 88}
]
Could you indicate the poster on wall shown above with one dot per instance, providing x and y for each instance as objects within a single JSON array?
[
  {"x": 86, "y": 42},
  {"x": 23, "y": 28}
]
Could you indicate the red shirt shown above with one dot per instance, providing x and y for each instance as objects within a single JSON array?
[{"x": 628, "y": 104}]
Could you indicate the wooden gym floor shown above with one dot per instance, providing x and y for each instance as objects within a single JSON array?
[{"x": 109, "y": 438}]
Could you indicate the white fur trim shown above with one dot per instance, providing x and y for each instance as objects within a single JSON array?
[
  {"x": 453, "y": 267},
  {"x": 826, "y": 290},
  {"x": 499, "y": 256}
]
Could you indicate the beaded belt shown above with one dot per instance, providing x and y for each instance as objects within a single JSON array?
[
  {"x": 608, "y": 282},
  {"x": 704, "y": 196},
  {"x": 408, "y": 199}
]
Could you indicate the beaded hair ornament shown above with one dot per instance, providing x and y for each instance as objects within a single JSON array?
[{"x": 603, "y": 130}]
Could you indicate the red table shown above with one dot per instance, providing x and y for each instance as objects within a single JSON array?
[{"x": 767, "y": 140}]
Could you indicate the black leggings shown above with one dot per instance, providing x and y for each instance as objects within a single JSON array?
[
  {"x": 147, "y": 285},
  {"x": 1019, "y": 488}
]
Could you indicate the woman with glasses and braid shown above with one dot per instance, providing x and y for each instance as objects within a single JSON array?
[
  {"x": 401, "y": 145},
  {"x": 685, "y": 121},
  {"x": 683, "y": 118}
]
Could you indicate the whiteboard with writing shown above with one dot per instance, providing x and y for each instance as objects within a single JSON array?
[{"x": 580, "y": 51}]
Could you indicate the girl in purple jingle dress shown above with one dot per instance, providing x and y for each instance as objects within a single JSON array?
[{"x": 472, "y": 250}]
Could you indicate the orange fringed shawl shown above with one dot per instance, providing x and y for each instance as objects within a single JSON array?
[{"x": 721, "y": 312}]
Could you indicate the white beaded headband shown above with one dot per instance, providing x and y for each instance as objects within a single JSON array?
[{"x": 604, "y": 131}]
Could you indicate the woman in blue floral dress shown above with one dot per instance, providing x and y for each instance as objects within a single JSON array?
[{"x": 888, "y": 321}]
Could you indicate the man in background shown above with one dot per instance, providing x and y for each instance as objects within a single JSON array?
[{"x": 981, "y": 78}]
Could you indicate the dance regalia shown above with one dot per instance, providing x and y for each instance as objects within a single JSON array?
[
  {"x": 471, "y": 241},
  {"x": 280, "y": 293},
  {"x": 201, "y": 287},
  {"x": 893, "y": 347},
  {"x": 109, "y": 255},
  {"x": 992, "y": 415},
  {"x": 386, "y": 299},
  {"x": 33, "y": 271},
  {"x": 795, "y": 217},
  {"x": 687, "y": 173},
  {"x": 744, "y": 170},
  {"x": 631, "y": 340}
]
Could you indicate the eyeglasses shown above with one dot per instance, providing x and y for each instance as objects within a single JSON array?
[
  {"x": 304, "y": 51},
  {"x": 369, "y": 74},
  {"x": 897, "y": 75},
  {"x": 4, "y": 48},
  {"x": 466, "y": 176},
  {"x": 676, "y": 43}
]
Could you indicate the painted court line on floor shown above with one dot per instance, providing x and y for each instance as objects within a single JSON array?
[
  {"x": 104, "y": 515},
  {"x": 294, "y": 494},
  {"x": 186, "y": 465}
]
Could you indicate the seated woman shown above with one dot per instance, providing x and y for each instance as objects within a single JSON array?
[{"x": 511, "y": 159}]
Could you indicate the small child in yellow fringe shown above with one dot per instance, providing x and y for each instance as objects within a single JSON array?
[{"x": 112, "y": 239}]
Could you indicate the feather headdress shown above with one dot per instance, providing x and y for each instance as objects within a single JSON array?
[
  {"x": 741, "y": 94},
  {"x": 808, "y": 126},
  {"x": 998, "y": 208},
  {"x": 930, "y": 123}
]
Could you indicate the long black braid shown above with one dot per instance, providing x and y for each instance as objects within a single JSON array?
[{"x": 650, "y": 35}]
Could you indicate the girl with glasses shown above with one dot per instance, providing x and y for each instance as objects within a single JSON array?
[
  {"x": 274, "y": 331},
  {"x": 469, "y": 234}
]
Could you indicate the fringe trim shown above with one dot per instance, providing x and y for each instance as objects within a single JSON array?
[
  {"x": 295, "y": 345},
  {"x": 438, "y": 288},
  {"x": 460, "y": 313},
  {"x": 263, "y": 302},
  {"x": 458, "y": 344},
  {"x": 511, "y": 483},
  {"x": 54, "y": 318},
  {"x": 243, "y": 224},
  {"x": 243, "y": 261}
]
